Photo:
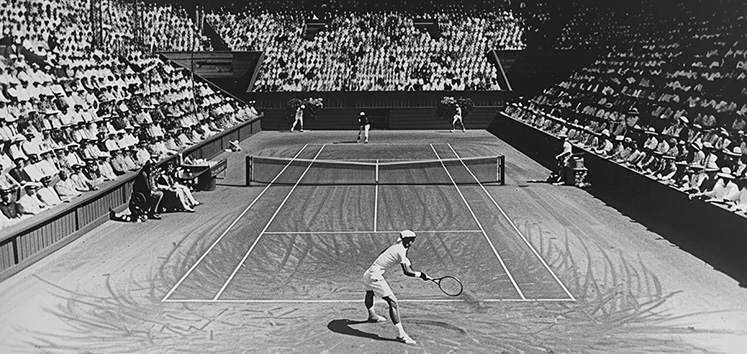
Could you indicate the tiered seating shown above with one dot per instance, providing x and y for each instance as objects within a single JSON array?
[
  {"x": 72, "y": 118},
  {"x": 669, "y": 103},
  {"x": 374, "y": 51},
  {"x": 587, "y": 29},
  {"x": 66, "y": 132},
  {"x": 164, "y": 28}
]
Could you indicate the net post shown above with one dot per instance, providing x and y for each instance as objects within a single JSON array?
[
  {"x": 249, "y": 171},
  {"x": 502, "y": 166},
  {"x": 377, "y": 172}
]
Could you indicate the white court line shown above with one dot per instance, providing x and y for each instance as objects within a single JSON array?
[
  {"x": 516, "y": 286},
  {"x": 516, "y": 228},
  {"x": 184, "y": 277},
  {"x": 343, "y": 301},
  {"x": 365, "y": 232},
  {"x": 376, "y": 199},
  {"x": 225, "y": 285}
]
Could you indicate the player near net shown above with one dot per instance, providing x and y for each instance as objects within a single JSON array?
[
  {"x": 365, "y": 125},
  {"x": 457, "y": 118},
  {"x": 375, "y": 283},
  {"x": 298, "y": 118}
]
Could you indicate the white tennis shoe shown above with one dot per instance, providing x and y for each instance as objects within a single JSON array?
[
  {"x": 406, "y": 339},
  {"x": 376, "y": 318}
]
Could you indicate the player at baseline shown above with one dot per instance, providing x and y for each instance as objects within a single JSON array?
[
  {"x": 365, "y": 125},
  {"x": 375, "y": 283},
  {"x": 457, "y": 118},
  {"x": 298, "y": 118}
]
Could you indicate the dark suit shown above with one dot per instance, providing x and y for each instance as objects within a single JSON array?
[{"x": 144, "y": 184}]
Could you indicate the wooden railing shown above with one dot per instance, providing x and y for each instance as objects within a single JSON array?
[
  {"x": 713, "y": 231},
  {"x": 29, "y": 241}
]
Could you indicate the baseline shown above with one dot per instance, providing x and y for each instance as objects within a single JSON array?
[{"x": 338, "y": 301}]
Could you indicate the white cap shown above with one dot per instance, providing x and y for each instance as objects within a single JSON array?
[{"x": 406, "y": 234}]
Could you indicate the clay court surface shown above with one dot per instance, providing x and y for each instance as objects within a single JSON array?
[{"x": 277, "y": 267}]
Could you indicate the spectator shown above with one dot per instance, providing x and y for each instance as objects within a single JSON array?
[
  {"x": 29, "y": 202},
  {"x": 724, "y": 190},
  {"x": 8, "y": 206},
  {"x": 65, "y": 188},
  {"x": 80, "y": 181},
  {"x": 174, "y": 193},
  {"x": 47, "y": 194},
  {"x": 144, "y": 184}
]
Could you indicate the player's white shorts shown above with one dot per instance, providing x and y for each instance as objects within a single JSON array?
[{"x": 373, "y": 279}]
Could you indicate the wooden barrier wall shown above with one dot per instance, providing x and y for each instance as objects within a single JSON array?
[
  {"x": 378, "y": 99},
  {"x": 398, "y": 119},
  {"x": 710, "y": 229},
  {"x": 25, "y": 243}
]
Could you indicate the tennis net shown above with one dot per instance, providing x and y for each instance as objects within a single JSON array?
[{"x": 278, "y": 170}]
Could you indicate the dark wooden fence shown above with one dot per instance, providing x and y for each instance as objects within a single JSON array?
[
  {"x": 25, "y": 243},
  {"x": 709, "y": 231}
]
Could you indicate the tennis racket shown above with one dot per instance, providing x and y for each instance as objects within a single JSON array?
[{"x": 449, "y": 285}]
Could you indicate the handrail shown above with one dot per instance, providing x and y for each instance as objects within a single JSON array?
[
  {"x": 35, "y": 222},
  {"x": 61, "y": 210},
  {"x": 602, "y": 157}
]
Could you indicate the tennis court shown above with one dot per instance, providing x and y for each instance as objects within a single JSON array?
[
  {"x": 277, "y": 267},
  {"x": 315, "y": 228}
]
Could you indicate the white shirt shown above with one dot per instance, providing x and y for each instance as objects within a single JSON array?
[{"x": 395, "y": 254}]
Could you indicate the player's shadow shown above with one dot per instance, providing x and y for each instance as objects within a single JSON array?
[
  {"x": 347, "y": 142},
  {"x": 343, "y": 327}
]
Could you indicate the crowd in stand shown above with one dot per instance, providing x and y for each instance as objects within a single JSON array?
[
  {"x": 372, "y": 51},
  {"x": 73, "y": 118},
  {"x": 62, "y": 28},
  {"x": 160, "y": 27},
  {"x": 45, "y": 27},
  {"x": 671, "y": 103},
  {"x": 587, "y": 29},
  {"x": 66, "y": 132}
]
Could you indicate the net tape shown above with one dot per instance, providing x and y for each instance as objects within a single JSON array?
[{"x": 471, "y": 170}]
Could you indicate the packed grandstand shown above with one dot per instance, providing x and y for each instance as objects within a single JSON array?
[{"x": 85, "y": 98}]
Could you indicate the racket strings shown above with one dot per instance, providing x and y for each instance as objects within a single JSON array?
[{"x": 450, "y": 286}]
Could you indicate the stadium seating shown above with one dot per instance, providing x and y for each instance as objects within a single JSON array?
[
  {"x": 374, "y": 51},
  {"x": 667, "y": 101},
  {"x": 73, "y": 118}
]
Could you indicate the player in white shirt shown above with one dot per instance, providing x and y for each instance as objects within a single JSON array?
[
  {"x": 457, "y": 118},
  {"x": 298, "y": 118},
  {"x": 375, "y": 283}
]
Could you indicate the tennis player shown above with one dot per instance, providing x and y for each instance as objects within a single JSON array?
[
  {"x": 299, "y": 118},
  {"x": 365, "y": 125},
  {"x": 457, "y": 118},
  {"x": 564, "y": 160},
  {"x": 375, "y": 284}
]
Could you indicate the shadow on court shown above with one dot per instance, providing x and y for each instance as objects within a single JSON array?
[
  {"x": 686, "y": 235},
  {"x": 231, "y": 184},
  {"x": 347, "y": 142},
  {"x": 343, "y": 327}
]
